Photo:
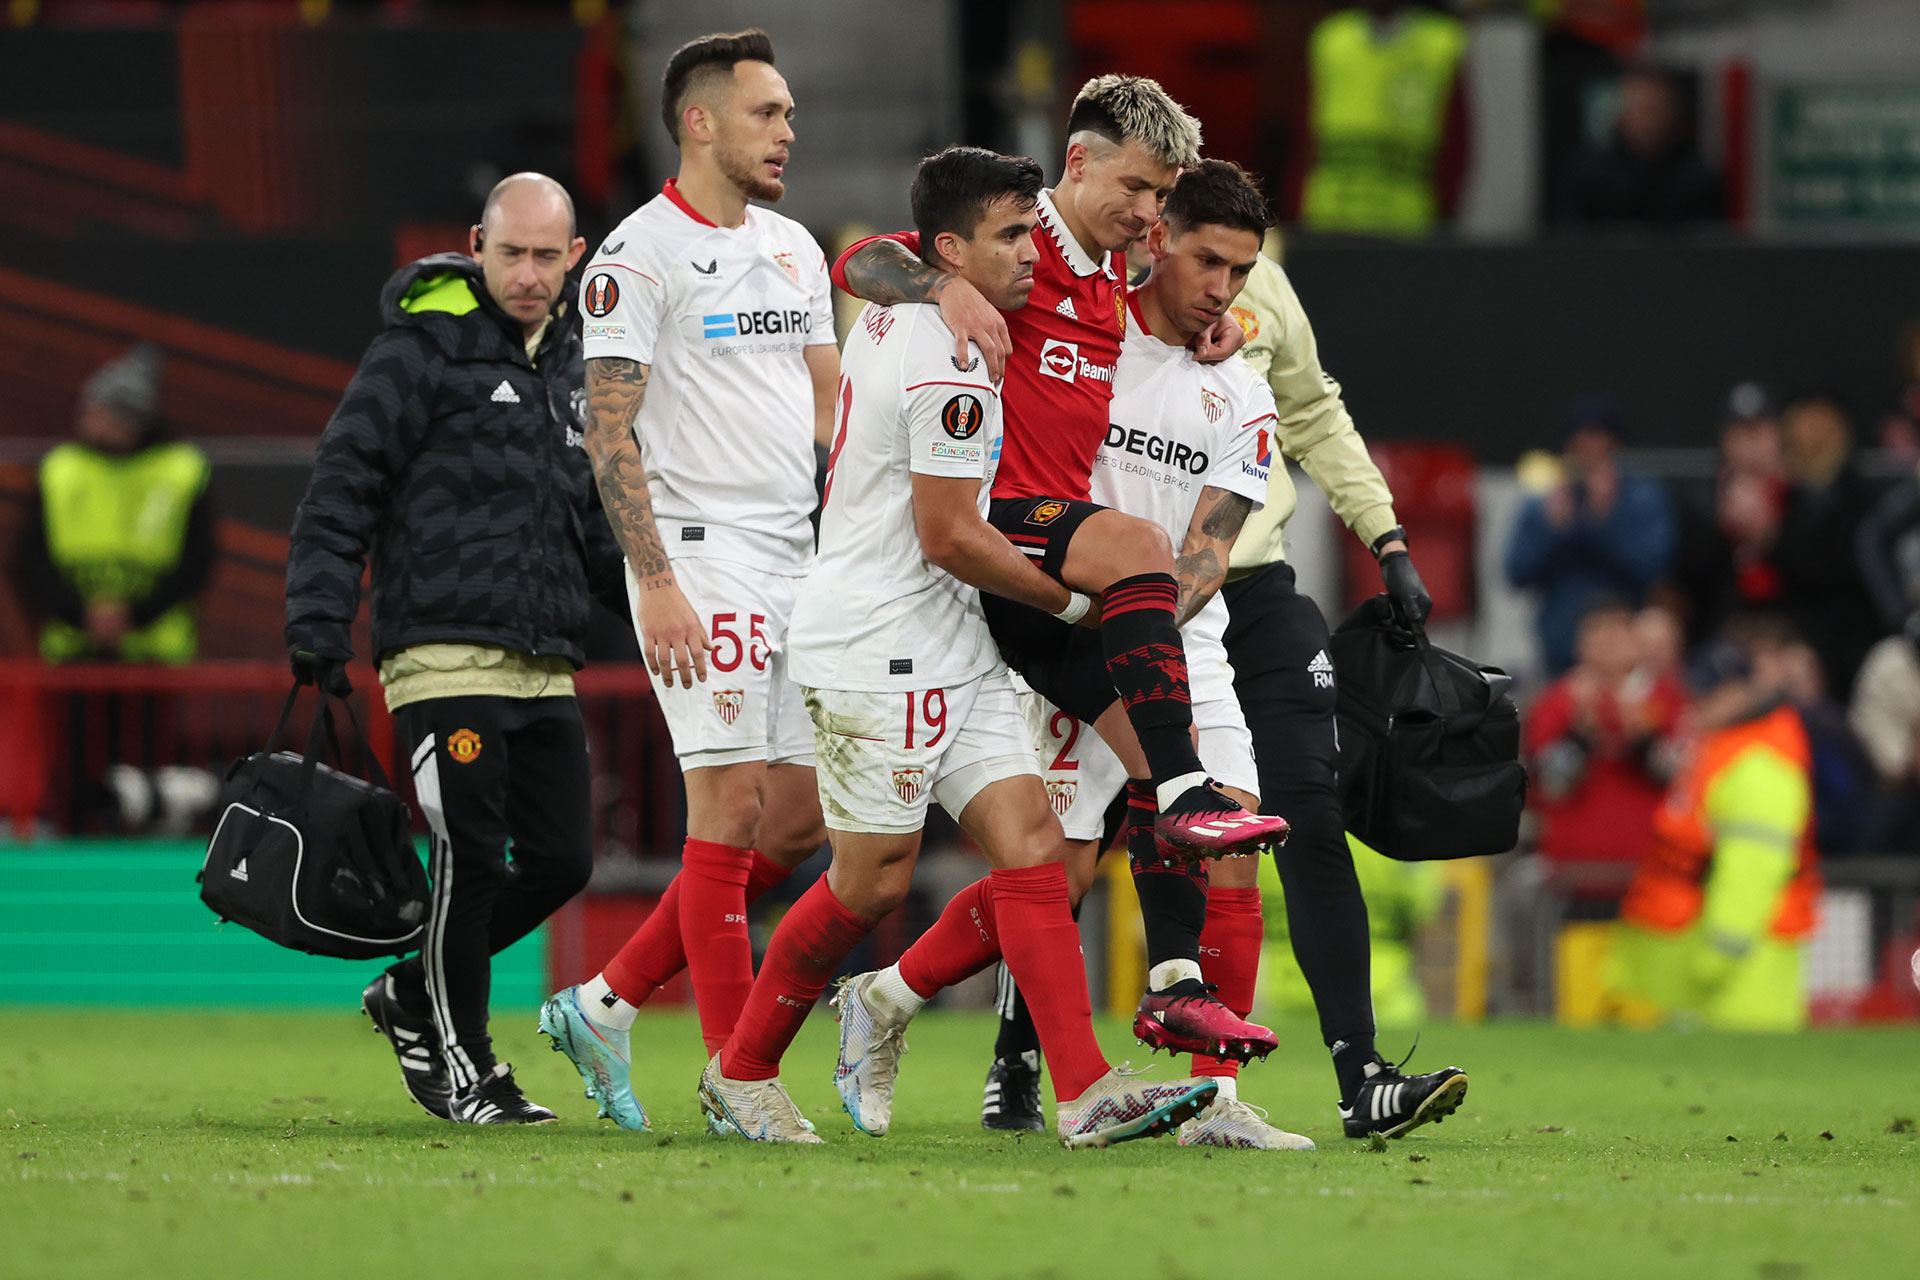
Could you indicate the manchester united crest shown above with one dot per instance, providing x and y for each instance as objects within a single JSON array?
[
  {"x": 788, "y": 264},
  {"x": 1120, "y": 310},
  {"x": 1061, "y": 796},
  {"x": 727, "y": 704},
  {"x": 1249, "y": 323},
  {"x": 463, "y": 745},
  {"x": 908, "y": 784}
]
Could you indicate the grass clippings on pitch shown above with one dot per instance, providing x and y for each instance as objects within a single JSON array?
[{"x": 206, "y": 1145}]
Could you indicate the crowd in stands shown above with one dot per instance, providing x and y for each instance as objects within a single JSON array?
[{"x": 1635, "y": 580}]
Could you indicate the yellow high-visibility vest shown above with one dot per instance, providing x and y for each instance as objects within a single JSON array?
[
  {"x": 114, "y": 526},
  {"x": 1379, "y": 108}
]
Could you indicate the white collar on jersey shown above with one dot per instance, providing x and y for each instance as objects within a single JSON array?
[{"x": 1077, "y": 260}]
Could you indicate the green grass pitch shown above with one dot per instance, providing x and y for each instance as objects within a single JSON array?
[{"x": 196, "y": 1145}]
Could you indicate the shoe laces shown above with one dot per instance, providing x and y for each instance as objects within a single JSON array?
[
  {"x": 1205, "y": 995},
  {"x": 1240, "y": 1108},
  {"x": 1394, "y": 1068},
  {"x": 499, "y": 1083},
  {"x": 772, "y": 1100}
]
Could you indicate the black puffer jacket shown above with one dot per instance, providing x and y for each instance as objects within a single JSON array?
[{"x": 457, "y": 462}]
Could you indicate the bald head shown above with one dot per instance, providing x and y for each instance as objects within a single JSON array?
[
  {"x": 528, "y": 193},
  {"x": 526, "y": 243}
]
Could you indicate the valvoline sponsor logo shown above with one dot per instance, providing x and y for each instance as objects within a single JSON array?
[{"x": 747, "y": 324}]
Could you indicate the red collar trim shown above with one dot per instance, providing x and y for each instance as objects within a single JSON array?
[
  {"x": 672, "y": 192},
  {"x": 1133, "y": 305}
]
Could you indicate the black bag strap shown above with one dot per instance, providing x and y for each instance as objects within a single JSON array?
[
  {"x": 367, "y": 753},
  {"x": 286, "y": 714},
  {"x": 310, "y": 761},
  {"x": 1462, "y": 719}
]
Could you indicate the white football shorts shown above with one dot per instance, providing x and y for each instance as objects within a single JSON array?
[
  {"x": 881, "y": 756},
  {"x": 748, "y": 708}
]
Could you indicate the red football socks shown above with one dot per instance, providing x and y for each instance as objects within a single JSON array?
[
  {"x": 1230, "y": 959},
  {"x": 1042, "y": 948},
  {"x": 713, "y": 929},
  {"x": 962, "y": 942},
  {"x": 654, "y": 954},
  {"x": 812, "y": 940}
]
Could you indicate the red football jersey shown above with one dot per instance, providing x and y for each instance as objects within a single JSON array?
[{"x": 1066, "y": 345}]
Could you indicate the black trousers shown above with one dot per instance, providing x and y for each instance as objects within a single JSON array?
[
  {"x": 490, "y": 773},
  {"x": 1276, "y": 640}
]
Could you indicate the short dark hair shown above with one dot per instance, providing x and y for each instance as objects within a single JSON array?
[
  {"x": 953, "y": 188},
  {"x": 1218, "y": 193},
  {"x": 697, "y": 59}
]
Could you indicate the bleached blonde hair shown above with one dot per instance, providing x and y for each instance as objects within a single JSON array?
[{"x": 1124, "y": 109}]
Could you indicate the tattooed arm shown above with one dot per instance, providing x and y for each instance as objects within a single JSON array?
[
  {"x": 887, "y": 272},
  {"x": 1201, "y": 566},
  {"x": 672, "y": 639}
]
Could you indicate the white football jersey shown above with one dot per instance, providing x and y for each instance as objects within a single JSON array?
[
  {"x": 1178, "y": 426},
  {"x": 873, "y": 613},
  {"x": 723, "y": 317}
]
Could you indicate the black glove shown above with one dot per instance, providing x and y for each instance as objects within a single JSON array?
[
  {"x": 1411, "y": 603},
  {"x": 329, "y": 674}
]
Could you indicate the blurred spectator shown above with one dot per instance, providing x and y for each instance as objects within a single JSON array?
[
  {"x": 1385, "y": 146},
  {"x": 1713, "y": 922},
  {"x": 1662, "y": 643},
  {"x": 1723, "y": 556},
  {"x": 1651, "y": 171},
  {"x": 118, "y": 535},
  {"x": 1599, "y": 743},
  {"x": 1821, "y": 585},
  {"x": 1886, "y": 716},
  {"x": 1888, "y": 549},
  {"x": 1600, "y": 530},
  {"x": 1842, "y": 776}
]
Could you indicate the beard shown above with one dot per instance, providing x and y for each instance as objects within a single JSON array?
[{"x": 748, "y": 177}]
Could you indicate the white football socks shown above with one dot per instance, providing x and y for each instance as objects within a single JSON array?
[
  {"x": 892, "y": 998},
  {"x": 602, "y": 1006},
  {"x": 1168, "y": 972},
  {"x": 1173, "y": 788},
  {"x": 1229, "y": 1088}
]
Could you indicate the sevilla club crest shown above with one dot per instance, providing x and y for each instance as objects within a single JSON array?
[
  {"x": 1061, "y": 796},
  {"x": 727, "y": 704},
  {"x": 1212, "y": 404},
  {"x": 789, "y": 265},
  {"x": 909, "y": 783}
]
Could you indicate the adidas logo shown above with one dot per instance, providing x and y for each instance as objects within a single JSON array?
[
  {"x": 1066, "y": 309},
  {"x": 505, "y": 394},
  {"x": 1322, "y": 669},
  {"x": 239, "y": 871}
]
